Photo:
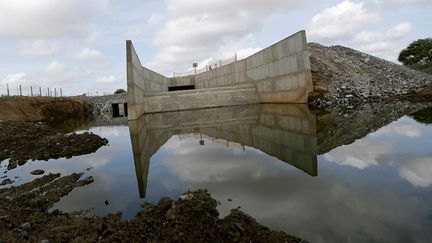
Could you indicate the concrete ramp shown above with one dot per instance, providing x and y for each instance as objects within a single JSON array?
[{"x": 280, "y": 73}]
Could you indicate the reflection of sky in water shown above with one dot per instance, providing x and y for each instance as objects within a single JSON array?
[{"x": 377, "y": 189}]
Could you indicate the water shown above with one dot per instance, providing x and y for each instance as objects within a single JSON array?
[{"x": 282, "y": 164}]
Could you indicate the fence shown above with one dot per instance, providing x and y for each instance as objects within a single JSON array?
[
  {"x": 208, "y": 67},
  {"x": 21, "y": 90}
]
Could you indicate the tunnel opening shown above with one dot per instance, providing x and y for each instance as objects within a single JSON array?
[
  {"x": 183, "y": 87},
  {"x": 116, "y": 110}
]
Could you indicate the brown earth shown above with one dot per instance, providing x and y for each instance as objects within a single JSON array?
[
  {"x": 24, "y": 217},
  {"x": 22, "y": 108},
  {"x": 23, "y": 141},
  {"x": 34, "y": 128}
]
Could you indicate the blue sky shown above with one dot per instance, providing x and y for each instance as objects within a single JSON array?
[{"x": 79, "y": 45}]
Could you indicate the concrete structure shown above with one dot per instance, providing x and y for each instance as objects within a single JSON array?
[
  {"x": 278, "y": 74},
  {"x": 285, "y": 131}
]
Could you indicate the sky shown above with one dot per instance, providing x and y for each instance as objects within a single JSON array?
[{"x": 79, "y": 45}]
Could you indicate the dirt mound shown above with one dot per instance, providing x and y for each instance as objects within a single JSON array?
[
  {"x": 22, "y": 141},
  {"x": 24, "y": 216},
  {"x": 343, "y": 76},
  {"x": 49, "y": 109}
]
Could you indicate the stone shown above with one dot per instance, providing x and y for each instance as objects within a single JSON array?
[
  {"x": 37, "y": 172},
  {"x": 25, "y": 226}
]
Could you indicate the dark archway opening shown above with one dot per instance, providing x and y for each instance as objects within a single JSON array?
[{"x": 183, "y": 87}]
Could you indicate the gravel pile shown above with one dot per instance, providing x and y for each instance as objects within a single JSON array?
[{"x": 346, "y": 77}]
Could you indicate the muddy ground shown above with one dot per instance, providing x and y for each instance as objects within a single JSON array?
[
  {"x": 23, "y": 141},
  {"x": 193, "y": 217},
  {"x": 37, "y": 128}
]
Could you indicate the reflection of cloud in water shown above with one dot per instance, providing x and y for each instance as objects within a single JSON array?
[
  {"x": 321, "y": 209},
  {"x": 360, "y": 154},
  {"x": 417, "y": 171},
  {"x": 208, "y": 163},
  {"x": 405, "y": 127}
]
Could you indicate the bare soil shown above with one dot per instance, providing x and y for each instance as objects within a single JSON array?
[
  {"x": 24, "y": 217},
  {"x": 23, "y": 141}
]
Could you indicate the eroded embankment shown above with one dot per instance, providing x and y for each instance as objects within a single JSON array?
[
  {"x": 34, "y": 128},
  {"x": 346, "y": 77},
  {"x": 193, "y": 217}
]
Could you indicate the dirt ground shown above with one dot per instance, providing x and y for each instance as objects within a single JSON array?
[
  {"x": 37, "y": 128},
  {"x": 24, "y": 217},
  {"x": 23, "y": 141}
]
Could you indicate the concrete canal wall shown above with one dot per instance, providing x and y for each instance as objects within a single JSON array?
[{"x": 278, "y": 74}]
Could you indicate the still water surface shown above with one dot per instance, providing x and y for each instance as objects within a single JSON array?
[{"x": 265, "y": 160}]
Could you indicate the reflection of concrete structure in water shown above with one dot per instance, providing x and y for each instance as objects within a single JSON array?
[
  {"x": 287, "y": 132},
  {"x": 201, "y": 137}
]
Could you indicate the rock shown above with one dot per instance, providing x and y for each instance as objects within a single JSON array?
[
  {"x": 6, "y": 182},
  {"x": 186, "y": 197},
  {"x": 25, "y": 226},
  {"x": 37, "y": 172},
  {"x": 85, "y": 181}
]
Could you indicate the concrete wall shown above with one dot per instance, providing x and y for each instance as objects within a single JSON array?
[
  {"x": 140, "y": 80},
  {"x": 279, "y": 74},
  {"x": 199, "y": 98},
  {"x": 287, "y": 132}
]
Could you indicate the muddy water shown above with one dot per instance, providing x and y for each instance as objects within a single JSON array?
[{"x": 278, "y": 163}]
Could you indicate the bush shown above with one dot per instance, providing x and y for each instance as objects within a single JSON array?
[
  {"x": 418, "y": 55},
  {"x": 120, "y": 91}
]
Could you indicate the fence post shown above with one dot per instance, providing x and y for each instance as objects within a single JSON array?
[
  {"x": 8, "y": 89},
  {"x": 48, "y": 92},
  {"x": 31, "y": 91},
  {"x": 55, "y": 92},
  {"x": 61, "y": 93},
  {"x": 40, "y": 91},
  {"x": 20, "y": 90}
]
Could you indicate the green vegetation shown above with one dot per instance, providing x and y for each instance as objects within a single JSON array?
[
  {"x": 423, "y": 116},
  {"x": 120, "y": 91},
  {"x": 418, "y": 55}
]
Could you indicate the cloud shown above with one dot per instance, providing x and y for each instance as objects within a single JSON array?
[
  {"x": 15, "y": 78},
  {"x": 206, "y": 30},
  {"x": 404, "y": 127},
  {"x": 360, "y": 154},
  {"x": 39, "y": 48},
  {"x": 89, "y": 54},
  {"x": 48, "y": 18},
  {"x": 418, "y": 171},
  {"x": 108, "y": 80},
  {"x": 154, "y": 19},
  {"x": 340, "y": 21},
  {"x": 58, "y": 72}
]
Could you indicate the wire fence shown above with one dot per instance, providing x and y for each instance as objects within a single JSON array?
[
  {"x": 208, "y": 67},
  {"x": 22, "y": 90}
]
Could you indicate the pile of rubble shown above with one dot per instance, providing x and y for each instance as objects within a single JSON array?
[{"x": 346, "y": 77}]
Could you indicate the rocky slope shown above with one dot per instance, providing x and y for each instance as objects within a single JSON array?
[{"x": 346, "y": 77}]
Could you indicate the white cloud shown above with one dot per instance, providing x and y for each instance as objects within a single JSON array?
[
  {"x": 89, "y": 54},
  {"x": 418, "y": 171},
  {"x": 48, "y": 18},
  {"x": 404, "y": 127},
  {"x": 154, "y": 19},
  {"x": 108, "y": 80},
  {"x": 39, "y": 48},
  {"x": 15, "y": 78},
  {"x": 206, "y": 30},
  {"x": 360, "y": 154},
  {"x": 340, "y": 21}
]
